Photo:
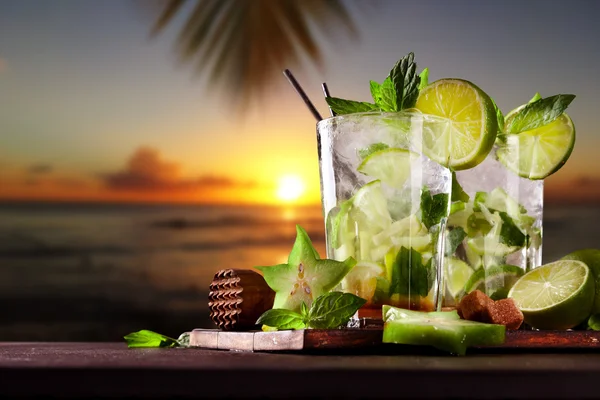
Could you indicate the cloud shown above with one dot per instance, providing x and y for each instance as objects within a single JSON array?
[
  {"x": 38, "y": 169},
  {"x": 3, "y": 65},
  {"x": 148, "y": 171}
]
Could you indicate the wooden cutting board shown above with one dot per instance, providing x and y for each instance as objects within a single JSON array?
[{"x": 349, "y": 339}]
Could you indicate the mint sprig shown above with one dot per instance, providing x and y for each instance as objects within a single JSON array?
[
  {"x": 535, "y": 98},
  {"x": 281, "y": 318},
  {"x": 538, "y": 113},
  {"x": 499, "y": 116},
  {"x": 433, "y": 207},
  {"x": 341, "y": 106},
  {"x": 454, "y": 238},
  {"x": 406, "y": 81},
  {"x": 409, "y": 275},
  {"x": 424, "y": 76},
  {"x": 328, "y": 311},
  {"x": 397, "y": 92},
  {"x": 146, "y": 338}
]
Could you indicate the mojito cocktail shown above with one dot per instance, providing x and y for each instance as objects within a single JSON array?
[
  {"x": 495, "y": 226},
  {"x": 386, "y": 205}
]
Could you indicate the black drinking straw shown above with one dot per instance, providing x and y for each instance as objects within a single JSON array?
[
  {"x": 326, "y": 93},
  {"x": 300, "y": 91}
]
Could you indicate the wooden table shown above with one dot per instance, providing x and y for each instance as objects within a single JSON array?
[{"x": 112, "y": 370}]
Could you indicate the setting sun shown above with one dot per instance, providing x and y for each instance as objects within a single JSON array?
[{"x": 291, "y": 187}]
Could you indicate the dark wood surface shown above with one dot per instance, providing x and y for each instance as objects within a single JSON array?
[
  {"x": 353, "y": 339},
  {"x": 112, "y": 370}
]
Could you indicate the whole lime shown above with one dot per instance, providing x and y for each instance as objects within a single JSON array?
[{"x": 590, "y": 257}]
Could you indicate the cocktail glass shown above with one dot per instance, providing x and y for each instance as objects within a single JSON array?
[
  {"x": 501, "y": 227},
  {"x": 386, "y": 205}
]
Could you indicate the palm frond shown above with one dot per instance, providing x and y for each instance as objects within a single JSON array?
[{"x": 243, "y": 45}]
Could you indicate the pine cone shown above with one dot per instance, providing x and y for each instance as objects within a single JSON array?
[{"x": 237, "y": 298}]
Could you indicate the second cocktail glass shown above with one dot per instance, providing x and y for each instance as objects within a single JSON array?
[{"x": 386, "y": 205}]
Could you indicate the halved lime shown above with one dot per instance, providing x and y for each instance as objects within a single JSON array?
[
  {"x": 558, "y": 295},
  {"x": 469, "y": 131},
  {"x": 540, "y": 152},
  {"x": 494, "y": 281},
  {"x": 458, "y": 273},
  {"x": 391, "y": 166}
]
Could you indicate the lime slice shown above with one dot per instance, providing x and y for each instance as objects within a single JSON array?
[
  {"x": 490, "y": 246},
  {"x": 409, "y": 226},
  {"x": 469, "y": 131},
  {"x": 340, "y": 224},
  {"x": 371, "y": 206},
  {"x": 362, "y": 279},
  {"x": 558, "y": 295},
  {"x": 457, "y": 274},
  {"x": 390, "y": 166},
  {"x": 494, "y": 281},
  {"x": 540, "y": 152},
  {"x": 499, "y": 200}
]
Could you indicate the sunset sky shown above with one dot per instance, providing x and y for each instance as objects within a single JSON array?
[{"x": 91, "y": 108}]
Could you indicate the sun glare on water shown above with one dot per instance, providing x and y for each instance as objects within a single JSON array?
[{"x": 290, "y": 188}]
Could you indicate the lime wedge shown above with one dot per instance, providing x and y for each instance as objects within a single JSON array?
[
  {"x": 457, "y": 274},
  {"x": 391, "y": 166},
  {"x": 558, "y": 295},
  {"x": 540, "y": 152},
  {"x": 494, "y": 281},
  {"x": 469, "y": 131}
]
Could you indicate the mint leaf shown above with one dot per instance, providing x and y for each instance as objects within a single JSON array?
[
  {"x": 535, "y": 98},
  {"x": 594, "y": 322},
  {"x": 458, "y": 193},
  {"x": 372, "y": 148},
  {"x": 375, "y": 91},
  {"x": 333, "y": 310},
  {"x": 499, "y": 116},
  {"x": 145, "y": 338},
  {"x": 510, "y": 234},
  {"x": 454, "y": 238},
  {"x": 388, "y": 100},
  {"x": 281, "y": 319},
  {"x": 538, "y": 113},
  {"x": 433, "y": 208},
  {"x": 304, "y": 312},
  {"x": 341, "y": 106},
  {"x": 384, "y": 95},
  {"x": 424, "y": 76},
  {"x": 406, "y": 81},
  {"x": 409, "y": 275}
]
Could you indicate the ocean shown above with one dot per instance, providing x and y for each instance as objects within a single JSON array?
[{"x": 95, "y": 272}]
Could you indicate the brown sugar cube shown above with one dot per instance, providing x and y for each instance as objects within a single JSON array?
[
  {"x": 475, "y": 306},
  {"x": 505, "y": 312}
]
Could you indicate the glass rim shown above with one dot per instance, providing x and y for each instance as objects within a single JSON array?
[{"x": 405, "y": 114}]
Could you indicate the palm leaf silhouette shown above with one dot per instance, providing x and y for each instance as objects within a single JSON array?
[{"x": 244, "y": 44}]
